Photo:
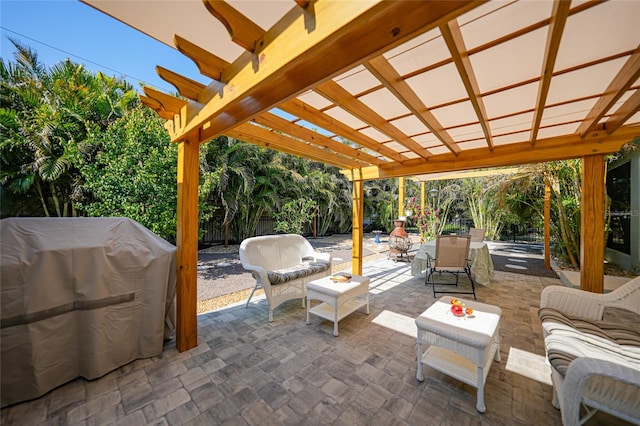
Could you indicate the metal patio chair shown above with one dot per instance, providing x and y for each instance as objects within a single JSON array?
[{"x": 452, "y": 256}]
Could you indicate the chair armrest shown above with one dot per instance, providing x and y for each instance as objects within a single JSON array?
[
  {"x": 259, "y": 273},
  {"x": 609, "y": 386},
  {"x": 310, "y": 253},
  {"x": 325, "y": 257},
  {"x": 573, "y": 301}
]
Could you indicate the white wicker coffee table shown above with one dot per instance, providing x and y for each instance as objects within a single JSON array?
[
  {"x": 461, "y": 347},
  {"x": 339, "y": 299}
]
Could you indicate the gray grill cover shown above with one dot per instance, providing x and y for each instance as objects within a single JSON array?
[{"x": 80, "y": 297}]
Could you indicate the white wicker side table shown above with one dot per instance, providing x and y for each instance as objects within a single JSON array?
[
  {"x": 461, "y": 347},
  {"x": 339, "y": 298}
]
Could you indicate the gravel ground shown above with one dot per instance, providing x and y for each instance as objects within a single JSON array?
[{"x": 222, "y": 280}]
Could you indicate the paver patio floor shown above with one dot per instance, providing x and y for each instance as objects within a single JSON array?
[{"x": 246, "y": 370}]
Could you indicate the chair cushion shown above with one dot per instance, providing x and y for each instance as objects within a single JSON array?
[
  {"x": 621, "y": 316},
  {"x": 572, "y": 337},
  {"x": 618, "y": 332},
  {"x": 302, "y": 270}
]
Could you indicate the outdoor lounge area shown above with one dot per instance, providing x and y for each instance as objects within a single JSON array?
[
  {"x": 246, "y": 370},
  {"x": 412, "y": 89}
]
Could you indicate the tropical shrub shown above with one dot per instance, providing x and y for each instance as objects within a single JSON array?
[
  {"x": 134, "y": 173},
  {"x": 294, "y": 216}
]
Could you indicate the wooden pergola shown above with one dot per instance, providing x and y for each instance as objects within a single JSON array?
[{"x": 384, "y": 89}]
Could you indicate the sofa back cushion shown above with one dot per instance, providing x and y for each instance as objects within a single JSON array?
[
  {"x": 274, "y": 252},
  {"x": 614, "y": 314}
]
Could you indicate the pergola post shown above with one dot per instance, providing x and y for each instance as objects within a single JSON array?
[
  {"x": 401, "y": 196},
  {"x": 547, "y": 224},
  {"x": 592, "y": 224},
  {"x": 187, "y": 243},
  {"x": 357, "y": 234}
]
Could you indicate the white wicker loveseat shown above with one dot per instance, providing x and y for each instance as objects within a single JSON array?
[
  {"x": 593, "y": 346},
  {"x": 282, "y": 265}
]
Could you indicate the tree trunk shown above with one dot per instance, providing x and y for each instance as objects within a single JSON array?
[
  {"x": 42, "y": 200},
  {"x": 56, "y": 201},
  {"x": 563, "y": 221}
]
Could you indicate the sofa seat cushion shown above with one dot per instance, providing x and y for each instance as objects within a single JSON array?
[
  {"x": 572, "y": 337},
  {"x": 302, "y": 270}
]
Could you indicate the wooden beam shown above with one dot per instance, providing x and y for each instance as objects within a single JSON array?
[
  {"x": 357, "y": 233},
  {"x": 169, "y": 103},
  {"x": 308, "y": 113},
  {"x": 401, "y": 196},
  {"x": 280, "y": 124},
  {"x": 520, "y": 84},
  {"x": 453, "y": 37},
  {"x": 467, "y": 174},
  {"x": 547, "y": 224},
  {"x": 156, "y": 106},
  {"x": 389, "y": 77},
  {"x": 258, "y": 135},
  {"x": 186, "y": 87},
  {"x": 492, "y": 43},
  {"x": 627, "y": 75},
  {"x": 423, "y": 194},
  {"x": 630, "y": 107},
  {"x": 549, "y": 149},
  {"x": 592, "y": 224},
  {"x": 302, "y": 3},
  {"x": 559, "y": 17},
  {"x": 187, "y": 245},
  {"x": 293, "y": 59},
  {"x": 208, "y": 64},
  {"x": 243, "y": 31},
  {"x": 339, "y": 96}
]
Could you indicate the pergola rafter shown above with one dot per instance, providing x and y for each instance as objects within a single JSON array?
[
  {"x": 559, "y": 17},
  {"x": 395, "y": 89},
  {"x": 627, "y": 75},
  {"x": 455, "y": 42},
  {"x": 340, "y": 96},
  {"x": 625, "y": 112},
  {"x": 314, "y": 116},
  {"x": 384, "y": 71},
  {"x": 208, "y": 64},
  {"x": 265, "y": 137},
  {"x": 300, "y": 132}
]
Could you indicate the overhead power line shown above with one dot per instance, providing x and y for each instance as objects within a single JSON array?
[{"x": 80, "y": 57}]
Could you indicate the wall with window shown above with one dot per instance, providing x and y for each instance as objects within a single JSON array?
[{"x": 623, "y": 236}]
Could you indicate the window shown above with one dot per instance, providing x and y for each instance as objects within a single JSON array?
[{"x": 619, "y": 192}]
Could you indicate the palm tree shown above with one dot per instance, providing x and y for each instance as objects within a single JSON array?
[
  {"x": 379, "y": 199},
  {"x": 323, "y": 187},
  {"x": 47, "y": 116}
]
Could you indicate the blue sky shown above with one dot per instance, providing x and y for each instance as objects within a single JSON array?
[{"x": 61, "y": 29}]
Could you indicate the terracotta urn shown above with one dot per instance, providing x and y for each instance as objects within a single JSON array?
[{"x": 399, "y": 230}]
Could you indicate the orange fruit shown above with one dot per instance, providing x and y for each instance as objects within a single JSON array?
[{"x": 469, "y": 311}]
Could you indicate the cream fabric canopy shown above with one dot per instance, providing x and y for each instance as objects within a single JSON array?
[{"x": 430, "y": 86}]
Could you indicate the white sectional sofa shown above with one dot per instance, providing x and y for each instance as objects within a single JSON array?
[
  {"x": 282, "y": 265},
  {"x": 593, "y": 346}
]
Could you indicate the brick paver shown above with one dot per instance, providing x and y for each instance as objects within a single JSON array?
[{"x": 249, "y": 371}]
